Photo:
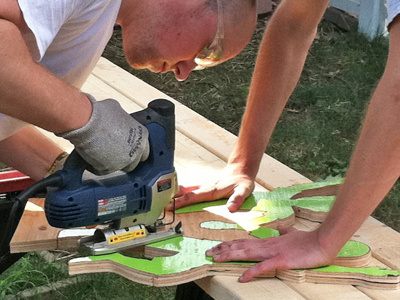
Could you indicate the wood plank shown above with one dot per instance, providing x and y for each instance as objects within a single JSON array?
[
  {"x": 228, "y": 288},
  {"x": 381, "y": 294},
  {"x": 328, "y": 291},
  {"x": 383, "y": 240},
  {"x": 35, "y": 232}
]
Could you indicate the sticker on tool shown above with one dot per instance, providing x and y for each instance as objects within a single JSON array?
[
  {"x": 127, "y": 236},
  {"x": 164, "y": 185},
  {"x": 112, "y": 205}
]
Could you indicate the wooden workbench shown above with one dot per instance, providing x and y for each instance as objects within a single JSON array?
[{"x": 202, "y": 147}]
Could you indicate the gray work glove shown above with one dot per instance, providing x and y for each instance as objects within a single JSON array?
[{"x": 112, "y": 140}]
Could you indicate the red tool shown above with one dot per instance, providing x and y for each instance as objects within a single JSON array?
[{"x": 14, "y": 181}]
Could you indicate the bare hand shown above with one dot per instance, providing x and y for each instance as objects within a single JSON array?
[
  {"x": 294, "y": 249},
  {"x": 236, "y": 187}
]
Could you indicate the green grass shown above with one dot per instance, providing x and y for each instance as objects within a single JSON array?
[
  {"x": 315, "y": 135},
  {"x": 32, "y": 272},
  {"x": 29, "y": 272}
]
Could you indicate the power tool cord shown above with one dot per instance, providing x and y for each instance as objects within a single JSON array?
[{"x": 19, "y": 204}]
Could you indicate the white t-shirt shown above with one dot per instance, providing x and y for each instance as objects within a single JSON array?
[
  {"x": 393, "y": 7},
  {"x": 68, "y": 38}
]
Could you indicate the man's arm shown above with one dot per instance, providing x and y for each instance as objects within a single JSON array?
[
  {"x": 279, "y": 64},
  {"x": 31, "y": 93},
  {"x": 30, "y": 152},
  {"x": 105, "y": 135},
  {"x": 375, "y": 165},
  {"x": 374, "y": 168}
]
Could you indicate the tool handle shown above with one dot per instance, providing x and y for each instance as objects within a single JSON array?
[
  {"x": 162, "y": 112},
  {"x": 72, "y": 171},
  {"x": 159, "y": 111}
]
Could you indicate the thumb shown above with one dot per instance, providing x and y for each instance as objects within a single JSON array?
[
  {"x": 236, "y": 200},
  {"x": 266, "y": 268}
]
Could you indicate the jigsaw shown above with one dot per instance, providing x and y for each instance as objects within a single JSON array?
[{"x": 127, "y": 206}]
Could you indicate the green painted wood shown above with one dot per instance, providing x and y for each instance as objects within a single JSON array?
[{"x": 190, "y": 252}]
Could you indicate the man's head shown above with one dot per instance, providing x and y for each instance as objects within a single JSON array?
[{"x": 168, "y": 35}]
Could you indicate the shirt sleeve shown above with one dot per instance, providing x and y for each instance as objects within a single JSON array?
[
  {"x": 393, "y": 7},
  {"x": 44, "y": 19}
]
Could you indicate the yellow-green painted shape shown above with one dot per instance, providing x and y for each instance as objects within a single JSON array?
[
  {"x": 371, "y": 271},
  {"x": 354, "y": 249},
  {"x": 263, "y": 232},
  {"x": 275, "y": 204},
  {"x": 191, "y": 254}
]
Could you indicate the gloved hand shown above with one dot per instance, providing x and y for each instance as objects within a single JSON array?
[{"x": 112, "y": 140}]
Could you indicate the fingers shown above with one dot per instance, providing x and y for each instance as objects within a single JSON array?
[
  {"x": 243, "y": 250},
  {"x": 236, "y": 200},
  {"x": 262, "y": 268},
  {"x": 183, "y": 198},
  {"x": 294, "y": 249},
  {"x": 184, "y": 190},
  {"x": 236, "y": 187},
  {"x": 226, "y": 246},
  {"x": 196, "y": 194},
  {"x": 249, "y": 250},
  {"x": 246, "y": 254}
]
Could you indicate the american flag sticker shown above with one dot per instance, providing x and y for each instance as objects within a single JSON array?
[{"x": 164, "y": 185}]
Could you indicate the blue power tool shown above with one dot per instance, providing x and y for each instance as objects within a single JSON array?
[{"x": 129, "y": 203}]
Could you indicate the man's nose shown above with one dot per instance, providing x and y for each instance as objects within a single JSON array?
[{"x": 183, "y": 69}]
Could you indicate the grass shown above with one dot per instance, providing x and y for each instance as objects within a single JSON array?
[
  {"x": 29, "y": 272},
  {"x": 33, "y": 271},
  {"x": 315, "y": 135}
]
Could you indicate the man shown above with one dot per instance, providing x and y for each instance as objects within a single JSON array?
[
  {"x": 374, "y": 168},
  {"x": 48, "y": 49}
]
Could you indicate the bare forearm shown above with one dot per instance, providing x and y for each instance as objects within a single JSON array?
[
  {"x": 32, "y": 94},
  {"x": 279, "y": 65},
  {"x": 374, "y": 168},
  {"x": 375, "y": 165},
  {"x": 29, "y": 151}
]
